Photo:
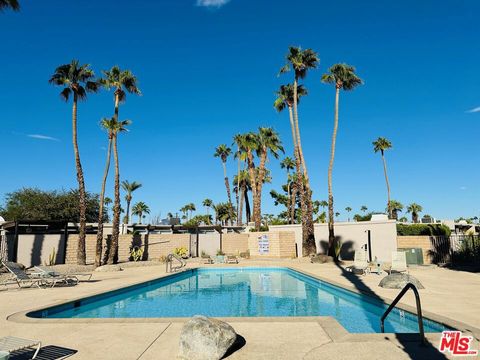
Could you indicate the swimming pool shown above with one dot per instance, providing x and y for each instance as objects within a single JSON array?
[{"x": 241, "y": 292}]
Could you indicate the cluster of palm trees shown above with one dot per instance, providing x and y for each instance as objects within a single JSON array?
[{"x": 77, "y": 81}]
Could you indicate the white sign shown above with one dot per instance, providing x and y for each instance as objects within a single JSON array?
[{"x": 263, "y": 245}]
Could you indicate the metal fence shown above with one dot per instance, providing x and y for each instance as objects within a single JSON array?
[{"x": 455, "y": 248}]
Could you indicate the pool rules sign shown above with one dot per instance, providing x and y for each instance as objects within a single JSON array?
[{"x": 263, "y": 245}]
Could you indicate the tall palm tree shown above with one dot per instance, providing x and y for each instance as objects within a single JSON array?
[
  {"x": 395, "y": 207},
  {"x": 348, "y": 209},
  {"x": 414, "y": 209},
  {"x": 343, "y": 77},
  {"x": 77, "y": 80},
  {"x": 242, "y": 186},
  {"x": 9, "y": 4},
  {"x": 129, "y": 188},
  {"x": 382, "y": 144},
  {"x": 288, "y": 164},
  {"x": 363, "y": 209},
  {"x": 139, "y": 209},
  {"x": 301, "y": 61},
  {"x": 241, "y": 157},
  {"x": 207, "y": 203},
  {"x": 191, "y": 207},
  {"x": 223, "y": 152},
  {"x": 111, "y": 126}
]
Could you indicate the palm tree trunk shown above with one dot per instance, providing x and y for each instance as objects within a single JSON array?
[
  {"x": 388, "y": 185},
  {"x": 237, "y": 194},
  {"x": 240, "y": 205},
  {"x": 248, "y": 213},
  {"x": 116, "y": 207},
  {"x": 127, "y": 216},
  {"x": 98, "y": 249},
  {"x": 253, "y": 183},
  {"x": 331, "y": 232},
  {"x": 293, "y": 204},
  {"x": 81, "y": 255}
]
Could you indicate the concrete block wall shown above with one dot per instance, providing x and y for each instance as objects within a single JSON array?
[
  {"x": 281, "y": 244},
  {"x": 423, "y": 242},
  {"x": 234, "y": 244}
]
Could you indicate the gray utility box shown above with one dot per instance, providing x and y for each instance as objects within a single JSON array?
[{"x": 414, "y": 255}]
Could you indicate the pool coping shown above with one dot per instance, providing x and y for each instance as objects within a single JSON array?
[{"x": 329, "y": 322}]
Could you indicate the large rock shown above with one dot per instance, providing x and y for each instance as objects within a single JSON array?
[
  {"x": 204, "y": 338},
  {"x": 108, "y": 268},
  {"x": 321, "y": 259},
  {"x": 398, "y": 281}
]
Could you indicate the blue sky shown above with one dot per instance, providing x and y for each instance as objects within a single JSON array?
[{"x": 208, "y": 69}]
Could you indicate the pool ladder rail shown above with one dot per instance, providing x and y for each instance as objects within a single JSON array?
[
  {"x": 419, "y": 310},
  {"x": 169, "y": 263}
]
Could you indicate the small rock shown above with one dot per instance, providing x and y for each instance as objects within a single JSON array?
[
  {"x": 399, "y": 281},
  {"x": 205, "y": 338},
  {"x": 106, "y": 268},
  {"x": 321, "y": 259}
]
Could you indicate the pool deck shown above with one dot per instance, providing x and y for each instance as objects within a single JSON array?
[{"x": 449, "y": 295}]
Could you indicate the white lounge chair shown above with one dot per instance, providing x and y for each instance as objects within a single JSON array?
[
  {"x": 10, "y": 344},
  {"x": 46, "y": 272},
  {"x": 360, "y": 263},
  {"x": 399, "y": 262},
  {"x": 21, "y": 277}
]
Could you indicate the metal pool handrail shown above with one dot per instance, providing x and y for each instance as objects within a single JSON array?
[
  {"x": 169, "y": 261},
  {"x": 419, "y": 310}
]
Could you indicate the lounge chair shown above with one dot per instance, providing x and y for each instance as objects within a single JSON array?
[
  {"x": 10, "y": 344},
  {"x": 399, "y": 262},
  {"x": 21, "y": 277},
  {"x": 207, "y": 260},
  {"x": 231, "y": 259},
  {"x": 73, "y": 277},
  {"x": 360, "y": 263}
]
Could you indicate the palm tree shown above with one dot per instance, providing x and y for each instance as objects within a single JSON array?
[
  {"x": 9, "y": 4},
  {"x": 191, "y": 207},
  {"x": 343, "y": 77},
  {"x": 78, "y": 80},
  {"x": 242, "y": 186},
  {"x": 110, "y": 125},
  {"x": 207, "y": 203},
  {"x": 337, "y": 214},
  {"x": 348, "y": 209},
  {"x": 223, "y": 152},
  {"x": 288, "y": 164},
  {"x": 139, "y": 209},
  {"x": 129, "y": 187},
  {"x": 224, "y": 213},
  {"x": 382, "y": 144},
  {"x": 414, "y": 209},
  {"x": 363, "y": 208},
  {"x": 395, "y": 207},
  {"x": 301, "y": 61},
  {"x": 241, "y": 157}
]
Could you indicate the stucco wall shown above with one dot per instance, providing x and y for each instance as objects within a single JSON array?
[
  {"x": 353, "y": 236},
  {"x": 209, "y": 243},
  {"x": 35, "y": 249}
]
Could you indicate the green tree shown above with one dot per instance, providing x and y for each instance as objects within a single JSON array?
[
  {"x": 363, "y": 209},
  {"x": 344, "y": 78},
  {"x": 129, "y": 188},
  {"x": 223, "y": 152},
  {"x": 242, "y": 186},
  {"x": 207, "y": 203},
  {"x": 9, "y": 4},
  {"x": 348, "y": 209},
  {"x": 301, "y": 61},
  {"x": 289, "y": 164},
  {"x": 224, "y": 213},
  {"x": 76, "y": 80},
  {"x": 414, "y": 209},
  {"x": 111, "y": 126},
  {"x": 395, "y": 207},
  {"x": 382, "y": 144},
  {"x": 139, "y": 209}
]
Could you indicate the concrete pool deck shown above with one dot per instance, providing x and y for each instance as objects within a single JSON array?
[{"x": 448, "y": 293}]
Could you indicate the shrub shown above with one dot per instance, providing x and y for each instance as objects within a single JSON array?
[
  {"x": 423, "y": 229},
  {"x": 262, "y": 229},
  {"x": 220, "y": 252},
  {"x": 136, "y": 253},
  {"x": 181, "y": 251}
]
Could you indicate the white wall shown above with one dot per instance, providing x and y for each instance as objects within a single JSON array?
[
  {"x": 35, "y": 249},
  {"x": 353, "y": 236},
  {"x": 209, "y": 243}
]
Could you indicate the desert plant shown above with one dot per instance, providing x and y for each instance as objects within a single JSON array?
[
  {"x": 51, "y": 258},
  {"x": 136, "y": 253},
  {"x": 220, "y": 252},
  {"x": 181, "y": 251}
]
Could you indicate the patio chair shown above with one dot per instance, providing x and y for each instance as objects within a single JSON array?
[
  {"x": 73, "y": 277},
  {"x": 10, "y": 344},
  {"x": 360, "y": 263},
  {"x": 231, "y": 259},
  {"x": 399, "y": 262},
  {"x": 21, "y": 277},
  {"x": 207, "y": 260}
]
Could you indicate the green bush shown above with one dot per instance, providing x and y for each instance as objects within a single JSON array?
[
  {"x": 263, "y": 228},
  {"x": 423, "y": 229}
]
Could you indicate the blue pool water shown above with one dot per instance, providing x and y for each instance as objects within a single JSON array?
[{"x": 237, "y": 292}]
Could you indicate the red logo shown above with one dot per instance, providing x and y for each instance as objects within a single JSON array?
[{"x": 456, "y": 343}]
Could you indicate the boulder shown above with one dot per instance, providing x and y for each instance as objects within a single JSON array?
[
  {"x": 106, "y": 268},
  {"x": 205, "y": 338},
  {"x": 398, "y": 281},
  {"x": 321, "y": 259}
]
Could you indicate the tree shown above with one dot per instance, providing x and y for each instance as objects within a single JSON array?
[
  {"x": 191, "y": 207},
  {"x": 395, "y": 207},
  {"x": 337, "y": 214},
  {"x": 111, "y": 126},
  {"x": 139, "y": 209},
  {"x": 301, "y": 61},
  {"x": 223, "y": 152},
  {"x": 129, "y": 188},
  {"x": 288, "y": 164},
  {"x": 382, "y": 144},
  {"x": 343, "y": 77},
  {"x": 363, "y": 209},
  {"x": 207, "y": 203},
  {"x": 121, "y": 81},
  {"x": 243, "y": 181},
  {"x": 348, "y": 209},
  {"x": 414, "y": 209},
  {"x": 403, "y": 219},
  {"x": 78, "y": 80},
  {"x": 224, "y": 213},
  {"x": 9, "y": 4}
]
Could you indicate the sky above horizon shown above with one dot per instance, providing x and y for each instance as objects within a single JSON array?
[{"x": 208, "y": 70}]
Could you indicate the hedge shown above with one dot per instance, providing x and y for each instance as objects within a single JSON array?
[{"x": 423, "y": 229}]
